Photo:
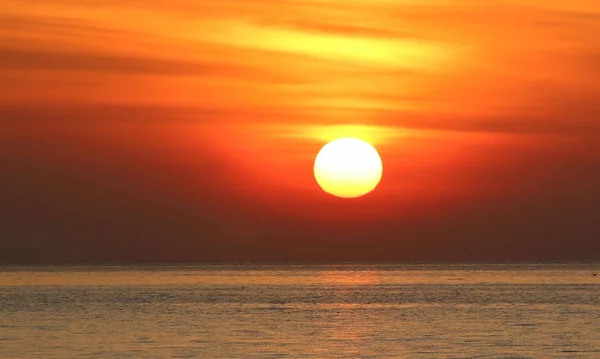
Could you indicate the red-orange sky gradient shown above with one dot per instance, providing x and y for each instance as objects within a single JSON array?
[{"x": 185, "y": 130}]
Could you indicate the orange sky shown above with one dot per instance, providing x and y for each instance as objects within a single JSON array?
[{"x": 486, "y": 114}]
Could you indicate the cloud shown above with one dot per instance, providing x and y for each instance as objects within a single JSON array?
[
  {"x": 119, "y": 63},
  {"x": 22, "y": 23},
  {"x": 437, "y": 60}
]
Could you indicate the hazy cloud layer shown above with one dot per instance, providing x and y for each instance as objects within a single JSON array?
[{"x": 444, "y": 62}]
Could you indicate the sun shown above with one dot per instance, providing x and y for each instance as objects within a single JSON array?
[{"x": 348, "y": 168}]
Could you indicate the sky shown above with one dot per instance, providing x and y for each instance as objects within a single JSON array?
[{"x": 184, "y": 130}]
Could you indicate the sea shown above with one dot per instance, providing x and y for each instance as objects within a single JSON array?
[{"x": 404, "y": 311}]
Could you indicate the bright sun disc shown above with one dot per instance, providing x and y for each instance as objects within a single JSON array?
[{"x": 348, "y": 168}]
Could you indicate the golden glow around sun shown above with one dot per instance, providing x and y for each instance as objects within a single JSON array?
[{"x": 348, "y": 168}]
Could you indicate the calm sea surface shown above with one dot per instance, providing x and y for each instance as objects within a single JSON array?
[{"x": 324, "y": 311}]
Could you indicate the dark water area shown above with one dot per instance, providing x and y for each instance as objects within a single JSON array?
[{"x": 302, "y": 311}]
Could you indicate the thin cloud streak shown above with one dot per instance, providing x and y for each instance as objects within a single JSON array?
[{"x": 65, "y": 61}]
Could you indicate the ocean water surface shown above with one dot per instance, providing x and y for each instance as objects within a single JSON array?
[{"x": 301, "y": 311}]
